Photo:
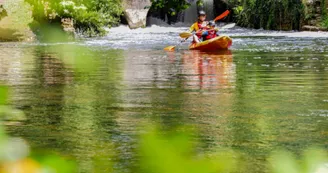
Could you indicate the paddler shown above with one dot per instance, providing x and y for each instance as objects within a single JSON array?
[
  {"x": 210, "y": 32},
  {"x": 198, "y": 27}
]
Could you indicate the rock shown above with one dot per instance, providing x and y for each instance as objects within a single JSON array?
[
  {"x": 68, "y": 26},
  {"x": 14, "y": 26},
  {"x": 310, "y": 28},
  {"x": 135, "y": 12},
  {"x": 313, "y": 22},
  {"x": 314, "y": 15},
  {"x": 313, "y": 28}
]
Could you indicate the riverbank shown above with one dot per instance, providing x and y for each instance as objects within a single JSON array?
[{"x": 73, "y": 17}]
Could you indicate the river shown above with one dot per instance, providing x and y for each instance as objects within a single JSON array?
[{"x": 86, "y": 99}]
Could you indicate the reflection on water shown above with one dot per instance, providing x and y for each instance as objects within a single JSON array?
[
  {"x": 209, "y": 70},
  {"x": 253, "y": 102}
]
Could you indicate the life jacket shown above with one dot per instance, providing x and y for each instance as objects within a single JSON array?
[
  {"x": 199, "y": 27},
  {"x": 211, "y": 34}
]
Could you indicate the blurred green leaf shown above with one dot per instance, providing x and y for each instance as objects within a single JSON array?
[
  {"x": 176, "y": 153},
  {"x": 313, "y": 159},
  {"x": 8, "y": 113},
  {"x": 81, "y": 59},
  {"x": 54, "y": 163},
  {"x": 3, "y": 95},
  {"x": 283, "y": 162}
]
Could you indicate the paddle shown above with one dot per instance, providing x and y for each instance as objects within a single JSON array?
[
  {"x": 223, "y": 15},
  {"x": 172, "y": 48},
  {"x": 189, "y": 34}
]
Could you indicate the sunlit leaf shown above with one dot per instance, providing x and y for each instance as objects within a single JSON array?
[
  {"x": 175, "y": 153},
  {"x": 53, "y": 163},
  {"x": 8, "y": 113},
  {"x": 283, "y": 162},
  {"x": 313, "y": 159},
  {"x": 15, "y": 149},
  {"x": 21, "y": 166},
  {"x": 3, "y": 95}
]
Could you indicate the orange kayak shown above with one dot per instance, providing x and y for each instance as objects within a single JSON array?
[{"x": 215, "y": 44}]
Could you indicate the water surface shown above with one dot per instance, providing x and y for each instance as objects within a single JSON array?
[{"x": 87, "y": 99}]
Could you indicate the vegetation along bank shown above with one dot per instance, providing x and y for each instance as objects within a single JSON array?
[{"x": 90, "y": 17}]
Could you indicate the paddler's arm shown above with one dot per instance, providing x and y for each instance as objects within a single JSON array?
[{"x": 192, "y": 28}]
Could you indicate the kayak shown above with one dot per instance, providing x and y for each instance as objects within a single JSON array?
[{"x": 214, "y": 44}]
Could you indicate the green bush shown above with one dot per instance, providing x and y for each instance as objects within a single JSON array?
[
  {"x": 100, "y": 14},
  {"x": 324, "y": 22},
  {"x": 171, "y": 7},
  {"x": 89, "y": 16},
  {"x": 268, "y": 14}
]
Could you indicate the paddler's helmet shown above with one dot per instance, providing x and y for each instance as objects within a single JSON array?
[
  {"x": 211, "y": 23},
  {"x": 201, "y": 13}
]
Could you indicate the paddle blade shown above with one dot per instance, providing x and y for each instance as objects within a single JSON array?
[
  {"x": 228, "y": 26},
  {"x": 185, "y": 35},
  {"x": 170, "y": 48},
  {"x": 223, "y": 15}
]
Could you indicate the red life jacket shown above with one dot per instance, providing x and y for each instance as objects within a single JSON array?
[
  {"x": 211, "y": 34},
  {"x": 201, "y": 27}
]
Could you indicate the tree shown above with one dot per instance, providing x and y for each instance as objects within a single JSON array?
[{"x": 171, "y": 7}]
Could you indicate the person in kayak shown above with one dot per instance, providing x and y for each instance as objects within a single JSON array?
[
  {"x": 210, "y": 32},
  {"x": 199, "y": 26}
]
